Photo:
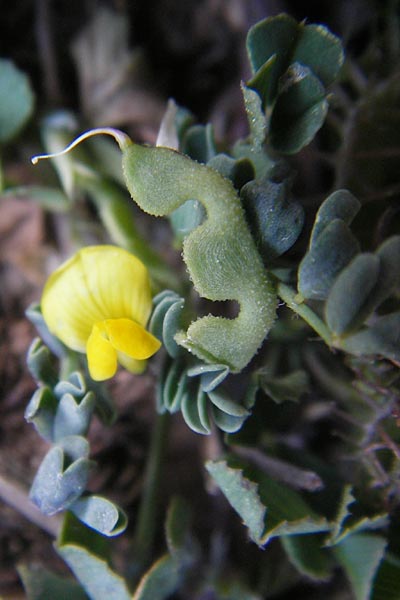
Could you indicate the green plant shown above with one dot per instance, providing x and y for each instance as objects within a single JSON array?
[{"x": 304, "y": 312}]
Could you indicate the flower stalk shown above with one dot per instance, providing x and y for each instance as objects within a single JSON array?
[{"x": 147, "y": 517}]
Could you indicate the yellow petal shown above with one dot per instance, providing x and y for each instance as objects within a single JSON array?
[
  {"x": 67, "y": 305},
  {"x": 101, "y": 355},
  {"x": 97, "y": 283},
  {"x": 131, "y": 338},
  {"x": 118, "y": 282},
  {"x": 131, "y": 364}
]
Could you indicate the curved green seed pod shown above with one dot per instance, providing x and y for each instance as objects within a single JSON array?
[{"x": 220, "y": 254}]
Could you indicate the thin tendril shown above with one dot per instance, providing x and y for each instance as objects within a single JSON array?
[{"x": 121, "y": 138}]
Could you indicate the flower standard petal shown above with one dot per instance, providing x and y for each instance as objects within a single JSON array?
[
  {"x": 131, "y": 338},
  {"x": 118, "y": 282},
  {"x": 67, "y": 305},
  {"x": 101, "y": 354}
]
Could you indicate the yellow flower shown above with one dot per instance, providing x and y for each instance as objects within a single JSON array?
[{"x": 99, "y": 302}]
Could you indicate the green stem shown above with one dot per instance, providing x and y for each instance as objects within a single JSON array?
[
  {"x": 146, "y": 522},
  {"x": 288, "y": 295}
]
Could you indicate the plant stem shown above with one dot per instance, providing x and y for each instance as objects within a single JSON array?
[
  {"x": 13, "y": 495},
  {"x": 288, "y": 295},
  {"x": 146, "y": 522}
]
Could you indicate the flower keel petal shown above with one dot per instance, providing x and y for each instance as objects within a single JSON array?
[{"x": 131, "y": 364}]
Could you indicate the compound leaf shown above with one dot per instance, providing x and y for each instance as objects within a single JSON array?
[
  {"x": 349, "y": 294},
  {"x": 242, "y": 494},
  {"x": 333, "y": 249},
  {"x": 86, "y": 553}
]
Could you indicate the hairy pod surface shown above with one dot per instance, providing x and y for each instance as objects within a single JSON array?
[{"x": 220, "y": 254}]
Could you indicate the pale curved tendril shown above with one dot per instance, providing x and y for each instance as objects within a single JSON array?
[{"x": 121, "y": 138}]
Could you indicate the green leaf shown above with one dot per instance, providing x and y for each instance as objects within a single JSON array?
[
  {"x": 275, "y": 220},
  {"x": 320, "y": 50},
  {"x": 242, "y": 494},
  {"x": 41, "y": 584},
  {"x": 172, "y": 386},
  {"x": 339, "y": 205},
  {"x": 381, "y": 338},
  {"x": 171, "y": 324},
  {"x": 166, "y": 574},
  {"x": 274, "y": 36},
  {"x": 333, "y": 249},
  {"x": 283, "y": 388},
  {"x": 85, "y": 552},
  {"x": 299, "y": 112},
  {"x": 389, "y": 254},
  {"x": 203, "y": 410},
  {"x": 52, "y": 199},
  {"x": 160, "y": 581},
  {"x": 225, "y": 421},
  {"x": 161, "y": 302},
  {"x": 74, "y": 533},
  {"x": 221, "y": 256},
  {"x": 105, "y": 407},
  {"x": 360, "y": 556},
  {"x": 387, "y": 581},
  {"x": 346, "y": 523},
  {"x": 194, "y": 411},
  {"x": 389, "y": 273},
  {"x": 221, "y": 399},
  {"x": 343, "y": 512},
  {"x": 268, "y": 508},
  {"x": 257, "y": 155},
  {"x": 211, "y": 376},
  {"x": 34, "y": 314},
  {"x": 345, "y": 305},
  {"x": 255, "y": 115},
  {"x": 62, "y": 476},
  {"x": 16, "y": 100},
  {"x": 238, "y": 170},
  {"x": 41, "y": 411},
  {"x": 100, "y": 514},
  {"x": 287, "y": 512},
  {"x": 177, "y": 525},
  {"x": 199, "y": 143},
  {"x": 75, "y": 386},
  {"x": 263, "y": 83},
  {"x": 307, "y": 555},
  {"x": 186, "y": 218},
  {"x": 41, "y": 364},
  {"x": 73, "y": 417}
]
